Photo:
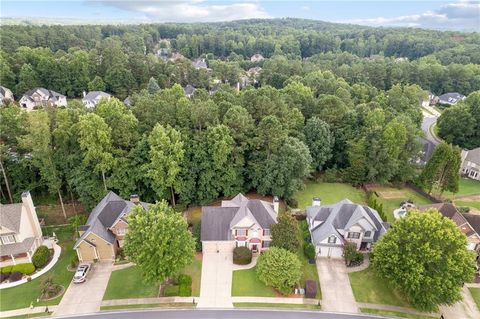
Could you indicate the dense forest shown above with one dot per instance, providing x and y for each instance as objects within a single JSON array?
[{"x": 338, "y": 99}]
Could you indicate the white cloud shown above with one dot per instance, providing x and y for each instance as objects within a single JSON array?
[
  {"x": 189, "y": 11},
  {"x": 462, "y": 15}
]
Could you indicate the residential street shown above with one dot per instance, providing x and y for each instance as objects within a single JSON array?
[
  {"x": 429, "y": 120},
  {"x": 216, "y": 284}
]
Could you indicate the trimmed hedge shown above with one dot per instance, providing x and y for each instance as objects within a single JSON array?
[
  {"x": 242, "y": 256},
  {"x": 25, "y": 269},
  {"x": 309, "y": 251},
  {"x": 41, "y": 256},
  {"x": 185, "y": 280},
  {"x": 6, "y": 269},
  {"x": 15, "y": 276}
]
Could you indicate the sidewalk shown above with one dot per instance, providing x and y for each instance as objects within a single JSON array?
[
  {"x": 27, "y": 311},
  {"x": 465, "y": 309},
  {"x": 252, "y": 264}
]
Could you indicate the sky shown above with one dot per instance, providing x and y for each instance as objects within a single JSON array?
[{"x": 449, "y": 14}]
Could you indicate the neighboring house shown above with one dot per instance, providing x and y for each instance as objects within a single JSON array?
[
  {"x": 20, "y": 232},
  {"x": 449, "y": 210},
  {"x": 470, "y": 166},
  {"x": 332, "y": 226},
  {"x": 5, "y": 95},
  {"x": 40, "y": 97},
  {"x": 450, "y": 98},
  {"x": 244, "y": 81},
  {"x": 257, "y": 58},
  {"x": 127, "y": 101},
  {"x": 105, "y": 229},
  {"x": 200, "y": 64},
  {"x": 238, "y": 222},
  {"x": 91, "y": 99},
  {"x": 427, "y": 151},
  {"x": 431, "y": 100},
  {"x": 189, "y": 91}
]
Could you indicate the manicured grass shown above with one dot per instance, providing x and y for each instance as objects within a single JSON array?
[
  {"x": 32, "y": 315},
  {"x": 469, "y": 203},
  {"x": 309, "y": 271},
  {"x": 245, "y": 283},
  {"x": 368, "y": 287},
  {"x": 394, "y": 314},
  {"x": 273, "y": 305},
  {"x": 475, "y": 292},
  {"x": 329, "y": 193},
  {"x": 153, "y": 305},
  {"x": 194, "y": 270},
  {"x": 21, "y": 296},
  {"x": 466, "y": 186},
  {"x": 128, "y": 283}
]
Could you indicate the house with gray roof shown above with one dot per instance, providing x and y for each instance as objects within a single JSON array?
[
  {"x": 257, "y": 57},
  {"x": 106, "y": 227},
  {"x": 91, "y": 99},
  {"x": 200, "y": 64},
  {"x": 5, "y": 95},
  {"x": 40, "y": 97},
  {"x": 20, "y": 232},
  {"x": 470, "y": 166},
  {"x": 239, "y": 222},
  {"x": 333, "y": 226},
  {"x": 189, "y": 90},
  {"x": 450, "y": 98}
]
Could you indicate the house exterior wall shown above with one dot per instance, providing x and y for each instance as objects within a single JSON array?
[
  {"x": 104, "y": 250},
  {"x": 86, "y": 252},
  {"x": 251, "y": 236},
  {"x": 120, "y": 229}
]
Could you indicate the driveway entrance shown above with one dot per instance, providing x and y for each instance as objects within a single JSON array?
[
  {"x": 216, "y": 284},
  {"x": 337, "y": 294},
  {"x": 86, "y": 297}
]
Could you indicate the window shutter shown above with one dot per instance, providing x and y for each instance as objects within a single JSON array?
[
  {"x": 246, "y": 232},
  {"x": 235, "y": 232}
]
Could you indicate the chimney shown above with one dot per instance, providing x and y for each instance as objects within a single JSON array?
[
  {"x": 276, "y": 204},
  {"x": 135, "y": 199},
  {"x": 31, "y": 214},
  {"x": 316, "y": 201}
]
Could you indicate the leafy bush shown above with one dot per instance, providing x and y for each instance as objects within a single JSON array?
[
  {"x": 309, "y": 251},
  {"x": 184, "y": 291},
  {"x": 331, "y": 175},
  {"x": 373, "y": 203},
  {"x": 464, "y": 209},
  {"x": 184, "y": 280},
  {"x": 352, "y": 255},
  {"x": 280, "y": 269},
  {"x": 292, "y": 202},
  {"x": 120, "y": 254},
  {"x": 242, "y": 256},
  {"x": 6, "y": 269},
  {"x": 15, "y": 276},
  {"x": 305, "y": 232},
  {"x": 25, "y": 269},
  {"x": 41, "y": 256},
  {"x": 196, "y": 229},
  {"x": 4, "y": 276},
  {"x": 285, "y": 233}
]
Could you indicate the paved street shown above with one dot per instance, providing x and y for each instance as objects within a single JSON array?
[
  {"x": 428, "y": 120},
  {"x": 216, "y": 285},
  {"x": 86, "y": 297},
  {"x": 225, "y": 314},
  {"x": 337, "y": 293}
]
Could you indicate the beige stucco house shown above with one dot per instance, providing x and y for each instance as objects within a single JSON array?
[
  {"x": 238, "y": 222},
  {"x": 105, "y": 229},
  {"x": 20, "y": 232}
]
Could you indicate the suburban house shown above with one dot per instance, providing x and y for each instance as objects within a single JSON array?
[
  {"x": 189, "y": 90},
  {"x": 449, "y": 210},
  {"x": 332, "y": 226},
  {"x": 238, "y": 222},
  {"x": 91, "y": 99},
  {"x": 427, "y": 151},
  {"x": 254, "y": 72},
  {"x": 105, "y": 229},
  {"x": 40, "y": 97},
  {"x": 199, "y": 64},
  {"x": 450, "y": 98},
  {"x": 257, "y": 58},
  {"x": 20, "y": 232},
  {"x": 470, "y": 166},
  {"x": 127, "y": 101},
  {"x": 5, "y": 95},
  {"x": 431, "y": 100}
]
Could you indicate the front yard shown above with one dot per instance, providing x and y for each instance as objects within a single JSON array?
[
  {"x": 475, "y": 292},
  {"x": 388, "y": 313},
  {"x": 329, "y": 193}
]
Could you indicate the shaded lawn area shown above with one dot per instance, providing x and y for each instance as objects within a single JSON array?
[
  {"x": 475, "y": 292},
  {"x": 329, "y": 193},
  {"x": 128, "y": 283},
  {"x": 21, "y": 296},
  {"x": 273, "y": 305},
  {"x": 394, "y": 314},
  {"x": 245, "y": 283},
  {"x": 370, "y": 288}
]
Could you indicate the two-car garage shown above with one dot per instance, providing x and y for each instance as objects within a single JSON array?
[
  {"x": 329, "y": 251},
  {"x": 218, "y": 246}
]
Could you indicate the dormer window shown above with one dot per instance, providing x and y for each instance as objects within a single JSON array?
[
  {"x": 266, "y": 232},
  {"x": 9, "y": 239},
  {"x": 368, "y": 234},
  {"x": 240, "y": 232},
  {"x": 332, "y": 239}
]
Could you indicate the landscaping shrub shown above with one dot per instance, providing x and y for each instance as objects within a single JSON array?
[
  {"x": 464, "y": 209},
  {"x": 6, "y": 269},
  {"x": 4, "y": 276},
  {"x": 15, "y": 276},
  {"x": 309, "y": 251},
  {"x": 285, "y": 233},
  {"x": 49, "y": 289},
  {"x": 196, "y": 228},
  {"x": 331, "y": 175},
  {"x": 242, "y": 256},
  {"x": 305, "y": 232},
  {"x": 120, "y": 254},
  {"x": 351, "y": 255},
  {"x": 292, "y": 202},
  {"x": 25, "y": 269},
  {"x": 41, "y": 256},
  {"x": 184, "y": 280},
  {"x": 74, "y": 261},
  {"x": 184, "y": 291},
  {"x": 373, "y": 203}
]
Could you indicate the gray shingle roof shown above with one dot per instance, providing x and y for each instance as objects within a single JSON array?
[
  {"x": 216, "y": 223},
  {"x": 95, "y": 95},
  {"x": 51, "y": 95},
  {"x": 10, "y": 216},
  {"x": 450, "y": 98},
  {"x": 17, "y": 248},
  {"x": 473, "y": 156}
]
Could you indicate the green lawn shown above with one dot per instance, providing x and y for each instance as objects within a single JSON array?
[
  {"x": 153, "y": 305},
  {"x": 273, "y": 305},
  {"x": 309, "y": 270},
  {"x": 246, "y": 283},
  {"x": 394, "y": 314},
  {"x": 469, "y": 203},
  {"x": 194, "y": 270},
  {"x": 329, "y": 193},
  {"x": 32, "y": 315},
  {"x": 476, "y": 295},
  {"x": 128, "y": 283},
  {"x": 368, "y": 287},
  {"x": 21, "y": 296},
  {"x": 466, "y": 187}
]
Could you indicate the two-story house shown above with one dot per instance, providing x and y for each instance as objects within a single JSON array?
[
  {"x": 20, "y": 232},
  {"x": 470, "y": 166},
  {"x": 332, "y": 226},
  {"x": 106, "y": 228},
  {"x": 40, "y": 97},
  {"x": 6, "y": 95},
  {"x": 238, "y": 222},
  {"x": 91, "y": 99}
]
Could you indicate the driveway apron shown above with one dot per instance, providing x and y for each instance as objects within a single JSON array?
[
  {"x": 337, "y": 294},
  {"x": 216, "y": 284},
  {"x": 86, "y": 297}
]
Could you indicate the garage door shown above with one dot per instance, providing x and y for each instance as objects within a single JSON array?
[
  {"x": 217, "y": 246},
  {"x": 332, "y": 252}
]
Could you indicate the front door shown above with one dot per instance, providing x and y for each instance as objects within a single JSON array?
[{"x": 254, "y": 248}]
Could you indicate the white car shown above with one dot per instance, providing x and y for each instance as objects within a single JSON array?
[{"x": 81, "y": 273}]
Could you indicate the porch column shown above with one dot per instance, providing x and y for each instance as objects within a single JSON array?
[
  {"x": 29, "y": 256},
  {"x": 13, "y": 259}
]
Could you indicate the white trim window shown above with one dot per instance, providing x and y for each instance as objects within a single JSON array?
[
  {"x": 8, "y": 239},
  {"x": 332, "y": 239},
  {"x": 266, "y": 232},
  {"x": 367, "y": 234},
  {"x": 354, "y": 235},
  {"x": 241, "y": 244},
  {"x": 121, "y": 231},
  {"x": 241, "y": 232}
]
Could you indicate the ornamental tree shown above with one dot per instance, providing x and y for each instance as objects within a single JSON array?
[
  {"x": 279, "y": 269},
  {"x": 158, "y": 241},
  {"x": 425, "y": 256},
  {"x": 284, "y": 233}
]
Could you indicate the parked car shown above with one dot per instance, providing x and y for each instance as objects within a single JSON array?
[{"x": 81, "y": 273}]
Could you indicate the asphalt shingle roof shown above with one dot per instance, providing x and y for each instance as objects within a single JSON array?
[{"x": 10, "y": 216}]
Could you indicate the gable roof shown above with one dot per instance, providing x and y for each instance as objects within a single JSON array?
[
  {"x": 4, "y": 91},
  {"x": 95, "y": 95},
  {"x": 451, "y": 97},
  {"x": 199, "y": 64},
  {"x": 217, "y": 222},
  {"x": 473, "y": 156},
  {"x": 50, "y": 95},
  {"x": 10, "y": 216},
  {"x": 189, "y": 89},
  {"x": 474, "y": 221},
  {"x": 449, "y": 210}
]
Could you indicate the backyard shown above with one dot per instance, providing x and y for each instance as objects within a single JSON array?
[
  {"x": 475, "y": 292},
  {"x": 329, "y": 193},
  {"x": 466, "y": 187},
  {"x": 21, "y": 296}
]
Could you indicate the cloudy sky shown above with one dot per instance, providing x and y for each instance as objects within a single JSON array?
[{"x": 452, "y": 14}]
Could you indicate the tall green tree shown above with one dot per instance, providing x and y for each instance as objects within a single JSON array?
[
  {"x": 153, "y": 86},
  {"x": 96, "y": 84},
  {"x": 319, "y": 140},
  {"x": 285, "y": 233}
]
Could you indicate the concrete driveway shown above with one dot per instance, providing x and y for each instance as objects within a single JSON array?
[
  {"x": 337, "y": 294},
  {"x": 216, "y": 284},
  {"x": 86, "y": 297}
]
